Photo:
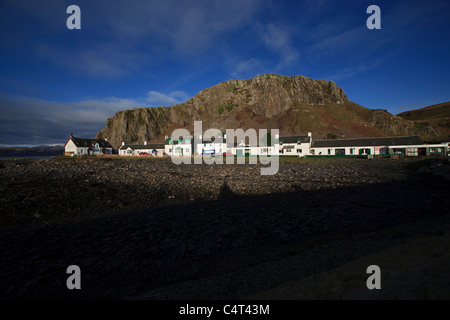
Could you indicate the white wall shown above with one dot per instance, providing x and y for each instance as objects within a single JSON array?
[
  {"x": 170, "y": 149},
  {"x": 71, "y": 147},
  {"x": 305, "y": 147}
]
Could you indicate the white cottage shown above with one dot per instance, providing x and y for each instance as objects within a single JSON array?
[
  {"x": 410, "y": 146},
  {"x": 181, "y": 147},
  {"x": 155, "y": 149},
  {"x": 213, "y": 146},
  {"x": 295, "y": 145},
  {"x": 84, "y": 147}
]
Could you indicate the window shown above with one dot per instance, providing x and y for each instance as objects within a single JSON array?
[
  {"x": 351, "y": 150},
  {"x": 329, "y": 151},
  {"x": 435, "y": 150},
  {"x": 412, "y": 152},
  {"x": 299, "y": 151}
]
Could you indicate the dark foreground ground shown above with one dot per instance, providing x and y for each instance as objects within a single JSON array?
[{"x": 148, "y": 229}]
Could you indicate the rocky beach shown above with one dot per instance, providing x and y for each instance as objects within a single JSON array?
[{"x": 149, "y": 229}]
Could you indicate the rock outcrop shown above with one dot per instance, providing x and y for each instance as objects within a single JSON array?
[{"x": 291, "y": 104}]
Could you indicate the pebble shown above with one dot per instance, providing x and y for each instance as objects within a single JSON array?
[{"x": 152, "y": 224}]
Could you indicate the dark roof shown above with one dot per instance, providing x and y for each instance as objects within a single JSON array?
[
  {"x": 294, "y": 139},
  {"x": 86, "y": 143},
  {"x": 143, "y": 146},
  {"x": 366, "y": 142}
]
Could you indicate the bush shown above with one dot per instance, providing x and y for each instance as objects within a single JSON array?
[{"x": 331, "y": 136}]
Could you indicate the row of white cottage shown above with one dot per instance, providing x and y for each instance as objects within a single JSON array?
[{"x": 299, "y": 145}]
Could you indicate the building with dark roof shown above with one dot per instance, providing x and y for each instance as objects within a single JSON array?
[
  {"x": 409, "y": 145},
  {"x": 179, "y": 147},
  {"x": 294, "y": 145},
  {"x": 81, "y": 146},
  {"x": 297, "y": 145},
  {"x": 367, "y": 142},
  {"x": 155, "y": 149}
]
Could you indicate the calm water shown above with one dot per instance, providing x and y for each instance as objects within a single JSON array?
[{"x": 29, "y": 157}]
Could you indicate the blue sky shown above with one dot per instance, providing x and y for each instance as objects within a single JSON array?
[{"x": 136, "y": 53}]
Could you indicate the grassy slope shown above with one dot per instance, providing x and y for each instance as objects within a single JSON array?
[
  {"x": 437, "y": 115},
  {"x": 437, "y": 111}
]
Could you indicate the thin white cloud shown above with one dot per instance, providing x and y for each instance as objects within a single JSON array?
[
  {"x": 28, "y": 121},
  {"x": 278, "y": 39},
  {"x": 349, "y": 72},
  {"x": 155, "y": 98},
  {"x": 124, "y": 36},
  {"x": 100, "y": 60},
  {"x": 242, "y": 69},
  {"x": 188, "y": 26}
]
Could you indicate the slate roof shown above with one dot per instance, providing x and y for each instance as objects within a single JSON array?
[
  {"x": 293, "y": 139},
  {"x": 143, "y": 146},
  {"x": 87, "y": 143},
  {"x": 367, "y": 142}
]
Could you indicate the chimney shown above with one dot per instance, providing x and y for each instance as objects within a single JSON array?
[
  {"x": 106, "y": 139},
  {"x": 166, "y": 137},
  {"x": 309, "y": 134},
  {"x": 123, "y": 143},
  {"x": 145, "y": 143}
]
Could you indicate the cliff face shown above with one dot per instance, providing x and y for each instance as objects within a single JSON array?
[
  {"x": 135, "y": 125},
  {"x": 295, "y": 105}
]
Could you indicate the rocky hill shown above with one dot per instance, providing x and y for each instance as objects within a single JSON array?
[
  {"x": 294, "y": 105},
  {"x": 437, "y": 115}
]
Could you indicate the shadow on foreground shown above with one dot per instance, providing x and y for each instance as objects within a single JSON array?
[{"x": 230, "y": 248}]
